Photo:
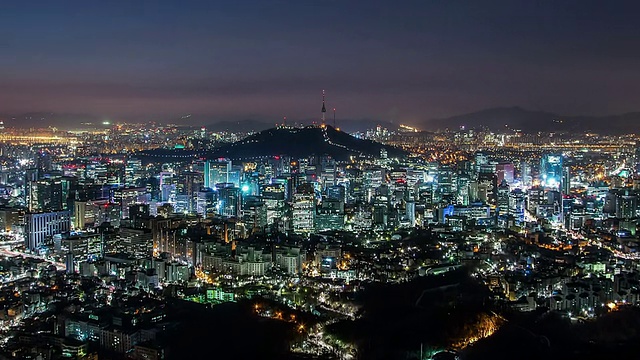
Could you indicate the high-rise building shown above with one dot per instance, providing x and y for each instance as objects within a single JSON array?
[
  {"x": 126, "y": 197},
  {"x": 480, "y": 159},
  {"x": 273, "y": 196},
  {"x": 330, "y": 215},
  {"x": 487, "y": 187},
  {"x": 626, "y": 204},
  {"x": 410, "y": 212},
  {"x": 536, "y": 197},
  {"x": 206, "y": 202},
  {"x": 525, "y": 173},
  {"x": 43, "y": 163},
  {"x": 427, "y": 193},
  {"x": 216, "y": 172},
  {"x": 40, "y": 227},
  {"x": 136, "y": 242},
  {"x": 235, "y": 175},
  {"x": 415, "y": 176},
  {"x": 463, "y": 189},
  {"x": 516, "y": 204},
  {"x": 336, "y": 192},
  {"x": 79, "y": 214},
  {"x": 374, "y": 177},
  {"x": 304, "y": 209},
  {"x": 132, "y": 172},
  {"x": 47, "y": 194},
  {"x": 566, "y": 179},
  {"x": 229, "y": 200},
  {"x": 503, "y": 197},
  {"x": 254, "y": 213},
  {"x": 447, "y": 182},
  {"x": 551, "y": 171}
]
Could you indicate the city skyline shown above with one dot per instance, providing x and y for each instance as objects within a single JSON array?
[
  {"x": 411, "y": 180},
  {"x": 406, "y": 62}
]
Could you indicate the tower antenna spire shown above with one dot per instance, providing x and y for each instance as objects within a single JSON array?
[
  {"x": 334, "y": 118},
  {"x": 324, "y": 109}
]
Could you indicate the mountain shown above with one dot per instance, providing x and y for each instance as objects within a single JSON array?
[
  {"x": 303, "y": 142},
  {"x": 498, "y": 119}
]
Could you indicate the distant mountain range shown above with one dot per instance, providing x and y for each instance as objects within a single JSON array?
[
  {"x": 47, "y": 119},
  {"x": 303, "y": 142},
  {"x": 517, "y": 118},
  {"x": 69, "y": 121},
  {"x": 495, "y": 119}
]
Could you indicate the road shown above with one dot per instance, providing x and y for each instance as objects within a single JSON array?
[{"x": 5, "y": 252}]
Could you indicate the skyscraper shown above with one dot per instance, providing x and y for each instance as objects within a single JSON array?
[
  {"x": 525, "y": 173},
  {"x": 216, "y": 172},
  {"x": 40, "y": 227},
  {"x": 566, "y": 179},
  {"x": 487, "y": 187},
  {"x": 274, "y": 200},
  {"x": 626, "y": 204},
  {"x": 304, "y": 209},
  {"x": 551, "y": 170},
  {"x": 516, "y": 204},
  {"x": 503, "y": 197},
  {"x": 229, "y": 200}
]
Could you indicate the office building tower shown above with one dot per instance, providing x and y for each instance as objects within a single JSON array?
[
  {"x": 216, "y": 172},
  {"x": 525, "y": 174},
  {"x": 487, "y": 187},
  {"x": 229, "y": 200},
  {"x": 447, "y": 181},
  {"x": 49, "y": 194},
  {"x": 273, "y": 196},
  {"x": 304, "y": 209},
  {"x": 336, "y": 192},
  {"x": 517, "y": 204},
  {"x": 626, "y": 203},
  {"x": 41, "y": 227},
  {"x": 480, "y": 159},
  {"x": 463, "y": 189},
  {"x": 551, "y": 171},
  {"x": 503, "y": 197},
  {"x": 566, "y": 179},
  {"x": 125, "y": 197},
  {"x": 330, "y": 215},
  {"x": 536, "y": 196}
]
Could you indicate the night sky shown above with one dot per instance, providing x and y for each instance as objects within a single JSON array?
[{"x": 264, "y": 59}]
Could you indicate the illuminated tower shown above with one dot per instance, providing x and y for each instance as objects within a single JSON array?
[{"x": 324, "y": 109}]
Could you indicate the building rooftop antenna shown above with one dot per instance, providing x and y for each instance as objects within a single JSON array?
[
  {"x": 324, "y": 109},
  {"x": 334, "y": 118}
]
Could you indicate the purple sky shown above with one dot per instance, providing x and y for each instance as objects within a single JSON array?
[{"x": 388, "y": 60}]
